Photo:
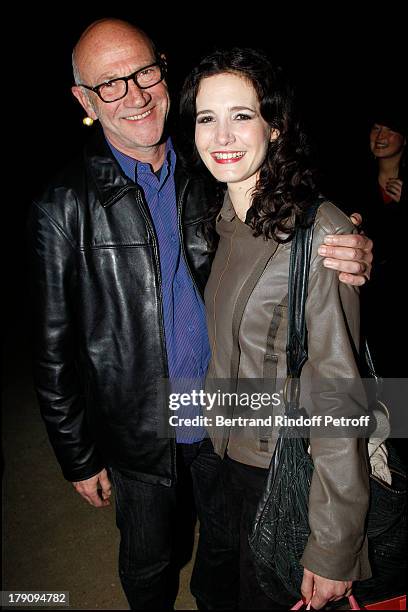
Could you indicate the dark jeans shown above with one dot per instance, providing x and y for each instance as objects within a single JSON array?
[
  {"x": 156, "y": 525},
  {"x": 243, "y": 485}
]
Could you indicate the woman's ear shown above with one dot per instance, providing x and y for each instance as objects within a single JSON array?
[{"x": 274, "y": 134}]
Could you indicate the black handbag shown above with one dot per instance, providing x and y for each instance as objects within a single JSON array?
[{"x": 281, "y": 530}]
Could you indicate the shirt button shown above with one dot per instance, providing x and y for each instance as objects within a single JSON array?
[{"x": 190, "y": 328}]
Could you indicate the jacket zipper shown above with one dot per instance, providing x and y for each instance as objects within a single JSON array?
[{"x": 160, "y": 296}]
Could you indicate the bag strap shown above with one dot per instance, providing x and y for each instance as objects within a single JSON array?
[
  {"x": 301, "y": 250},
  {"x": 296, "y": 347}
]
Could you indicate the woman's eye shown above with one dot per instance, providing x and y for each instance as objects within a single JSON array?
[
  {"x": 205, "y": 119},
  {"x": 242, "y": 117}
]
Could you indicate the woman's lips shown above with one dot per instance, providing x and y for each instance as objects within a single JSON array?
[{"x": 227, "y": 157}]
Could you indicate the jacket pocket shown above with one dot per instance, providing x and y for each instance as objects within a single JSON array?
[{"x": 270, "y": 365}]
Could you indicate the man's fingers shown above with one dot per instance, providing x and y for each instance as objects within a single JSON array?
[
  {"x": 350, "y": 254},
  {"x": 358, "y": 241},
  {"x": 352, "y": 279},
  {"x": 342, "y": 253},
  {"x": 360, "y": 269},
  {"x": 88, "y": 489},
  {"x": 105, "y": 484},
  {"x": 95, "y": 500},
  {"x": 351, "y": 267}
]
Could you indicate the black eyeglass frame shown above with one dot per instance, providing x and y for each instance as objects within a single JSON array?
[{"x": 161, "y": 64}]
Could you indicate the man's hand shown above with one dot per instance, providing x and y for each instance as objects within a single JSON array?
[
  {"x": 318, "y": 591},
  {"x": 351, "y": 254},
  {"x": 94, "y": 495}
]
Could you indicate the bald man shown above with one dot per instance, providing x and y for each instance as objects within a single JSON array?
[{"x": 119, "y": 266}]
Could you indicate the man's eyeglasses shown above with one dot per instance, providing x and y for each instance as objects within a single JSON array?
[{"x": 114, "y": 90}]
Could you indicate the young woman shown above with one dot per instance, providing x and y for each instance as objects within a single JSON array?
[
  {"x": 388, "y": 146},
  {"x": 238, "y": 108},
  {"x": 385, "y": 198}
]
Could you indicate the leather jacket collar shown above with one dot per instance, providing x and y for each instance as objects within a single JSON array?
[{"x": 110, "y": 182}]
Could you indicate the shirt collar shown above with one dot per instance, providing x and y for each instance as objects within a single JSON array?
[
  {"x": 129, "y": 164},
  {"x": 228, "y": 213}
]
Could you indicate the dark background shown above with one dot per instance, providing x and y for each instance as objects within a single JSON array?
[{"x": 340, "y": 64}]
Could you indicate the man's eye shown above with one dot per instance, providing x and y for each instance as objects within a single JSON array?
[{"x": 110, "y": 84}]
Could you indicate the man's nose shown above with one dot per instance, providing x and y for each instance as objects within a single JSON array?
[{"x": 136, "y": 96}]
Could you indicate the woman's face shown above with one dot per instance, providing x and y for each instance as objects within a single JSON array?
[
  {"x": 230, "y": 135},
  {"x": 385, "y": 142}
]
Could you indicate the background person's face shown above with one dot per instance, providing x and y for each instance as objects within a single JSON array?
[
  {"x": 136, "y": 122},
  {"x": 231, "y": 136},
  {"x": 384, "y": 142}
]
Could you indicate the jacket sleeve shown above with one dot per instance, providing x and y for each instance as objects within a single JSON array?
[
  {"x": 339, "y": 494},
  {"x": 56, "y": 373}
]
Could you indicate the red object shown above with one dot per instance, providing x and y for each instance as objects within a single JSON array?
[
  {"x": 396, "y": 603},
  {"x": 386, "y": 199},
  {"x": 353, "y": 604}
]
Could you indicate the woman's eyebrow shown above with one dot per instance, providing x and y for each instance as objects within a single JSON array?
[{"x": 233, "y": 108}]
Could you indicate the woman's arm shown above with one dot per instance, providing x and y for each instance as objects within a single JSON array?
[{"x": 336, "y": 551}]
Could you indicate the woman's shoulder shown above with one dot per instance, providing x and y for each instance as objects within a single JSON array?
[{"x": 331, "y": 220}]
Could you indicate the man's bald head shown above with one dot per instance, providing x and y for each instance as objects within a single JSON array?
[
  {"x": 104, "y": 34},
  {"x": 109, "y": 52}
]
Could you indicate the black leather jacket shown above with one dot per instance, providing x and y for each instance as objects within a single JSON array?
[{"x": 99, "y": 333}]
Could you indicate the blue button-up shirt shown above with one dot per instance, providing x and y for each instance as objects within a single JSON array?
[{"x": 187, "y": 344}]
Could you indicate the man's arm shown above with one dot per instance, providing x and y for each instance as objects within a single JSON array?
[
  {"x": 60, "y": 394},
  {"x": 351, "y": 254}
]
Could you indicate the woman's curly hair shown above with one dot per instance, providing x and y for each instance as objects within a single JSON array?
[{"x": 286, "y": 184}]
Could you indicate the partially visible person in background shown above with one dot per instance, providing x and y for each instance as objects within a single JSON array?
[
  {"x": 387, "y": 143},
  {"x": 385, "y": 200}
]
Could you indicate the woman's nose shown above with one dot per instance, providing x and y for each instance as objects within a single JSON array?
[
  {"x": 382, "y": 133},
  {"x": 224, "y": 135}
]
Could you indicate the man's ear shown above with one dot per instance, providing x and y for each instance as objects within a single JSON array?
[
  {"x": 274, "y": 134},
  {"x": 84, "y": 101},
  {"x": 163, "y": 60}
]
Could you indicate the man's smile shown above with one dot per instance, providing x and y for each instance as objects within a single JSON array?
[{"x": 138, "y": 117}]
